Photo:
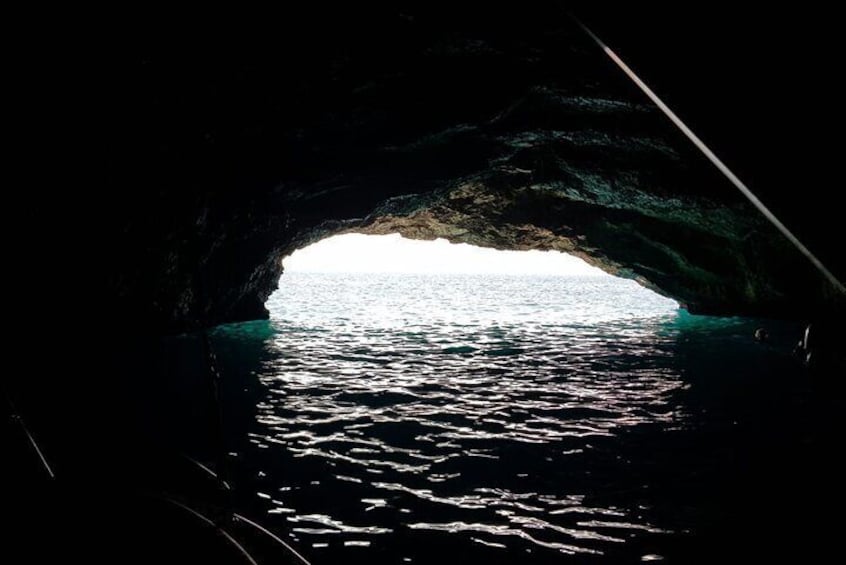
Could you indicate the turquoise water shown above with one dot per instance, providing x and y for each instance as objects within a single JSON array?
[{"x": 506, "y": 419}]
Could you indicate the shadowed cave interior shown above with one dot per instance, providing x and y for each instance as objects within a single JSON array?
[
  {"x": 508, "y": 130},
  {"x": 188, "y": 169}
]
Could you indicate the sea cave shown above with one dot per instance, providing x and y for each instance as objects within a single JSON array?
[{"x": 174, "y": 174}]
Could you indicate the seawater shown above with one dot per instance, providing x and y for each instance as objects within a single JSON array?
[{"x": 504, "y": 419}]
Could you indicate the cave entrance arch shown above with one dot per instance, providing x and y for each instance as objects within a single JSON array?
[
  {"x": 407, "y": 280},
  {"x": 415, "y": 392}
]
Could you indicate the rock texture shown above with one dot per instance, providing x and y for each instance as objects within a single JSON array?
[{"x": 501, "y": 128}]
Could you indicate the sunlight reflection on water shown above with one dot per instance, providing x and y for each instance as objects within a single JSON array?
[{"x": 472, "y": 407}]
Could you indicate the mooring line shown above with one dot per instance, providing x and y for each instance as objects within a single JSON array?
[{"x": 711, "y": 156}]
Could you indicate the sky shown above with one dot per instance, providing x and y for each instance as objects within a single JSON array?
[{"x": 359, "y": 253}]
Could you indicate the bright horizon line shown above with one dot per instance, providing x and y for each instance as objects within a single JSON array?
[{"x": 361, "y": 253}]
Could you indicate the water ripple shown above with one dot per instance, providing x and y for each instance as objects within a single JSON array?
[{"x": 409, "y": 405}]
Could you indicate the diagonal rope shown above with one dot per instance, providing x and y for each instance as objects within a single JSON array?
[
  {"x": 273, "y": 536},
  {"x": 208, "y": 521},
  {"x": 716, "y": 161},
  {"x": 19, "y": 419}
]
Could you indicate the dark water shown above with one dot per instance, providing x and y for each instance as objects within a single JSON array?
[{"x": 414, "y": 419}]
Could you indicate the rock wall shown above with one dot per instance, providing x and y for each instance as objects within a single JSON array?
[{"x": 501, "y": 128}]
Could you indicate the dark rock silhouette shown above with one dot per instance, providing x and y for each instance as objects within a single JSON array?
[
  {"x": 164, "y": 175},
  {"x": 204, "y": 160}
]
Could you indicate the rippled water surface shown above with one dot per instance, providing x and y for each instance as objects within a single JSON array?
[{"x": 499, "y": 419}]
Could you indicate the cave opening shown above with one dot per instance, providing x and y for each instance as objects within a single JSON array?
[
  {"x": 422, "y": 412},
  {"x": 411, "y": 404},
  {"x": 415, "y": 395},
  {"x": 391, "y": 278}
]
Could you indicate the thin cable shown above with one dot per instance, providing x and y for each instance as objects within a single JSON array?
[
  {"x": 210, "y": 522},
  {"x": 739, "y": 184},
  {"x": 206, "y": 470},
  {"x": 276, "y": 538},
  {"x": 20, "y": 420}
]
